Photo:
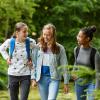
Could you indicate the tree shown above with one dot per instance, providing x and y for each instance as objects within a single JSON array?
[{"x": 12, "y": 11}]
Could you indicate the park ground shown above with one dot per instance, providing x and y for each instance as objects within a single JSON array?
[{"x": 34, "y": 95}]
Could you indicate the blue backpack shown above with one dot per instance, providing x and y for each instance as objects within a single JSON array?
[{"x": 12, "y": 46}]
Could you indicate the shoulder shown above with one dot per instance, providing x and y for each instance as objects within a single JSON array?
[
  {"x": 97, "y": 53},
  {"x": 60, "y": 46},
  {"x": 93, "y": 50},
  {"x": 76, "y": 48},
  {"x": 7, "y": 41},
  {"x": 31, "y": 40},
  {"x": 6, "y": 44}
]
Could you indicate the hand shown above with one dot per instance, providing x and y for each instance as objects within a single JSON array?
[
  {"x": 34, "y": 83},
  {"x": 74, "y": 77},
  {"x": 8, "y": 61},
  {"x": 66, "y": 88},
  {"x": 29, "y": 63}
]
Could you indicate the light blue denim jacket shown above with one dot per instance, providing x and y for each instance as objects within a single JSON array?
[{"x": 57, "y": 60}]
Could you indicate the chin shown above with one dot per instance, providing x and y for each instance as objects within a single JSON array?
[
  {"x": 46, "y": 41},
  {"x": 24, "y": 39}
]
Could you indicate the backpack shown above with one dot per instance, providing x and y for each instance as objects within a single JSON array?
[
  {"x": 12, "y": 47},
  {"x": 92, "y": 56}
]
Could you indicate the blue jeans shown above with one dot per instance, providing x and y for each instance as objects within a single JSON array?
[
  {"x": 48, "y": 88},
  {"x": 84, "y": 91}
]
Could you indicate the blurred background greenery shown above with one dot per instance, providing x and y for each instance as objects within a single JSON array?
[{"x": 67, "y": 15}]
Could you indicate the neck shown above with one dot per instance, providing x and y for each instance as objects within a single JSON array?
[
  {"x": 86, "y": 45},
  {"x": 19, "y": 40}
]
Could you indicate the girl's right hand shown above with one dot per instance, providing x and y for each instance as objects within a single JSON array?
[
  {"x": 8, "y": 61},
  {"x": 34, "y": 83},
  {"x": 74, "y": 77}
]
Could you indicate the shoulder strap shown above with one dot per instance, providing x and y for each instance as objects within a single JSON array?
[
  {"x": 77, "y": 51},
  {"x": 12, "y": 46},
  {"x": 28, "y": 48},
  {"x": 92, "y": 58}
]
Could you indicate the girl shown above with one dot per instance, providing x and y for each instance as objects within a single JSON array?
[
  {"x": 83, "y": 57},
  {"x": 49, "y": 55},
  {"x": 19, "y": 61}
]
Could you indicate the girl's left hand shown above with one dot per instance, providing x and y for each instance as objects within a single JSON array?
[{"x": 66, "y": 88}]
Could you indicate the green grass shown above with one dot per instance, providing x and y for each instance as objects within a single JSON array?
[{"x": 34, "y": 94}]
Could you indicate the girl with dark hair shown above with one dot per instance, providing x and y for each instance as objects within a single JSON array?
[
  {"x": 49, "y": 56},
  {"x": 85, "y": 50},
  {"x": 18, "y": 59}
]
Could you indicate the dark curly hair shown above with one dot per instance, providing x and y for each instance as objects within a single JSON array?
[{"x": 88, "y": 31}]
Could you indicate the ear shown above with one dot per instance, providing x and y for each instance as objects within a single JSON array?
[
  {"x": 16, "y": 34},
  {"x": 88, "y": 38}
]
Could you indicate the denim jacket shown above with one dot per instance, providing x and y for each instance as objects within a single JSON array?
[{"x": 55, "y": 61}]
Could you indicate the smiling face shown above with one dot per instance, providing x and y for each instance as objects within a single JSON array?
[
  {"x": 47, "y": 34},
  {"x": 82, "y": 39}
]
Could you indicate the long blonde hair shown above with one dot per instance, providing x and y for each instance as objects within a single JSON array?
[{"x": 54, "y": 47}]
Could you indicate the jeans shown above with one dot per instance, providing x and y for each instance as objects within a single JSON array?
[
  {"x": 84, "y": 91},
  {"x": 19, "y": 81},
  {"x": 48, "y": 88}
]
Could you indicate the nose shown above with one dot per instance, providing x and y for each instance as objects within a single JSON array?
[{"x": 45, "y": 36}]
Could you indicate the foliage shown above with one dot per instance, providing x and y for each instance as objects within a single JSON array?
[
  {"x": 97, "y": 94},
  {"x": 80, "y": 72},
  {"x": 12, "y": 11},
  {"x": 3, "y": 74}
]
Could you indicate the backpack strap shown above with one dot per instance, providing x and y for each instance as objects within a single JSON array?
[
  {"x": 27, "y": 41},
  {"x": 77, "y": 51},
  {"x": 92, "y": 58},
  {"x": 12, "y": 46}
]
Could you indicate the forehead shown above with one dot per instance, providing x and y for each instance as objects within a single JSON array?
[
  {"x": 81, "y": 33},
  {"x": 47, "y": 30},
  {"x": 24, "y": 28}
]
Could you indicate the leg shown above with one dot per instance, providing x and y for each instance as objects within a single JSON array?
[
  {"x": 43, "y": 85},
  {"x": 53, "y": 89},
  {"x": 13, "y": 87},
  {"x": 80, "y": 92},
  {"x": 90, "y": 90},
  {"x": 25, "y": 87}
]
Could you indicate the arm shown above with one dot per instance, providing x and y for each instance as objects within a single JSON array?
[
  {"x": 32, "y": 43},
  {"x": 33, "y": 71},
  {"x": 34, "y": 61},
  {"x": 74, "y": 77},
  {"x": 64, "y": 62},
  {"x": 97, "y": 68},
  {"x": 3, "y": 49},
  {"x": 75, "y": 55}
]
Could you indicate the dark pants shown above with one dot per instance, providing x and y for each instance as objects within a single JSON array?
[{"x": 19, "y": 81}]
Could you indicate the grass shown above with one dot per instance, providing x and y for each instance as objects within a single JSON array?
[{"x": 34, "y": 94}]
